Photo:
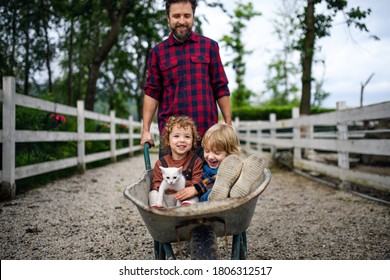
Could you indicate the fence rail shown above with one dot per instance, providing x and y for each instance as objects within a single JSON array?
[
  {"x": 10, "y": 136},
  {"x": 327, "y": 143}
]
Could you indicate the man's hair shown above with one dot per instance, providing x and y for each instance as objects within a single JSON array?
[
  {"x": 181, "y": 122},
  {"x": 222, "y": 137},
  {"x": 168, "y": 3}
]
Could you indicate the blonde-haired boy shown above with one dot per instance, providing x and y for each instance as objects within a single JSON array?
[{"x": 224, "y": 171}]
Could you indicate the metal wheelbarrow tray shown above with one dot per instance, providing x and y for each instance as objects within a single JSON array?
[{"x": 231, "y": 216}]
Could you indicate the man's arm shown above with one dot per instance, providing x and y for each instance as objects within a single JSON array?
[
  {"x": 224, "y": 105},
  {"x": 150, "y": 107}
]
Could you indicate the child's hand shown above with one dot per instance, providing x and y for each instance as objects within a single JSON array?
[{"x": 186, "y": 193}]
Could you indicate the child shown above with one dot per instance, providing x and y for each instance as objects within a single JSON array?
[
  {"x": 180, "y": 137},
  {"x": 224, "y": 172},
  {"x": 219, "y": 142}
]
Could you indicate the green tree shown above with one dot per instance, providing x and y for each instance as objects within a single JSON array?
[
  {"x": 101, "y": 48},
  {"x": 282, "y": 71},
  {"x": 126, "y": 65},
  {"x": 24, "y": 36},
  {"x": 317, "y": 25},
  {"x": 111, "y": 13},
  {"x": 242, "y": 13}
]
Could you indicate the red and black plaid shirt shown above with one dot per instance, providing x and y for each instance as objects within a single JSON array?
[{"x": 187, "y": 78}]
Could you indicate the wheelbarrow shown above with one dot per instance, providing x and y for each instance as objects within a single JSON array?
[{"x": 200, "y": 223}]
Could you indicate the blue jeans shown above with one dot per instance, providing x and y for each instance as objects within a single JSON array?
[{"x": 205, "y": 196}]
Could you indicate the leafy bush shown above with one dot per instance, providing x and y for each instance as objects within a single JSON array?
[{"x": 248, "y": 113}]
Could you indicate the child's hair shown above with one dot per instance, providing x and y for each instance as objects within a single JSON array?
[
  {"x": 222, "y": 137},
  {"x": 181, "y": 122}
]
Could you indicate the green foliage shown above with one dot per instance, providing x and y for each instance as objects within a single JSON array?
[
  {"x": 283, "y": 70},
  {"x": 38, "y": 152},
  {"x": 114, "y": 35},
  {"x": 319, "y": 94},
  {"x": 240, "y": 96},
  {"x": 32, "y": 153},
  {"x": 35, "y": 119},
  {"x": 248, "y": 113},
  {"x": 33, "y": 34},
  {"x": 242, "y": 13},
  {"x": 280, "y": 83}
]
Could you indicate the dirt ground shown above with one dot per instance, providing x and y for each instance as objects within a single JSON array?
[{"x": 86, "y": 217}]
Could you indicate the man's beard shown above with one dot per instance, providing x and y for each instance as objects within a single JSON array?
[{"x": 183, "y": 34}]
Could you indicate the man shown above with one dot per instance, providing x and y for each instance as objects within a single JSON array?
[{"x": 185, "y": 75}]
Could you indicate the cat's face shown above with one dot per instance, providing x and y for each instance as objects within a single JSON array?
[{"x": 171, "y": 174}]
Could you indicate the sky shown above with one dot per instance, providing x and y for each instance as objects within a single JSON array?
[{"x": 350, "y": 55}]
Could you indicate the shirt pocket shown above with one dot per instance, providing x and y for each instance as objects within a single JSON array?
[
  {"x": 169, "y": 71},
  {"x": 168, "y": 64},
  {"x": 200, "y": 65}
]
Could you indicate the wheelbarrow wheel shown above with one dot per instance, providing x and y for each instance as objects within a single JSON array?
[{"x": 203, "y": 244}]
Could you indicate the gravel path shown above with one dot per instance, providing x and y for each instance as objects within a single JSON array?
[{"x": 86, "y": 217}]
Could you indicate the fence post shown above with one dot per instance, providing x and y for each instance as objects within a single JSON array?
[
  {"x": 236, "y": 126},
  {"x": 81, "y": 137},
  {"x": 309, "y": 135},
  {"x": 342, "y": 128},
  {"x": 112, "y": 136},
  {"x": 272, "y": 119},
  {"x": 296, "y": 134},
  {"x": 236, "y": 123},
  {"x": 131, "y": 135},
  {"x": 259, "y": 135},
  {"x": 8, "y": 186},
  {"x": 247, "y": 137},
  {"x": 343, "y": 157}
]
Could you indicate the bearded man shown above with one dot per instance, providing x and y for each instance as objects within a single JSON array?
[{"x": 185, "y": 76}]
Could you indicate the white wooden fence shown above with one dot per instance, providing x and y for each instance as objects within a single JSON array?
[
  {"x": 310, "y": 136},
  {"x": 10, "y": 136},
  {"x": 299, "y": 135}
]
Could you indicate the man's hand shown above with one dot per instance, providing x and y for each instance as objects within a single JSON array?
[{"x": 147, "y": 137}]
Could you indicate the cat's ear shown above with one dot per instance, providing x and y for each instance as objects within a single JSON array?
[
  {"x": 162, "y": 168},
  {"x": 180, "y": 168}
]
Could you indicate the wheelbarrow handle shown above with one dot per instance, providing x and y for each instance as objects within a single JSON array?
[{"x": 147, "y": 146}]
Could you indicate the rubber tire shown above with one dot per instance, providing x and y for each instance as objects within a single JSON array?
[{"x": 203, "y": 244}]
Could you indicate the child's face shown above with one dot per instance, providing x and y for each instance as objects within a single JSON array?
[
  {"x": 180, "y": 141},
  {"x": 214, "y": 157}
]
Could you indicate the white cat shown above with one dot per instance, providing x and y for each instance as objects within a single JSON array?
[{"x": 173, "y": 181}]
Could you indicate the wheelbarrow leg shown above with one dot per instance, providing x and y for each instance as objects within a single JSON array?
[
  {"x": 239, "y": 247},
  {"x": 163, "y": 251},
  {"x": 168, "y": 251},
  {"x": 157, "y": 250},
  {"x": 244, "y": 244}
]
